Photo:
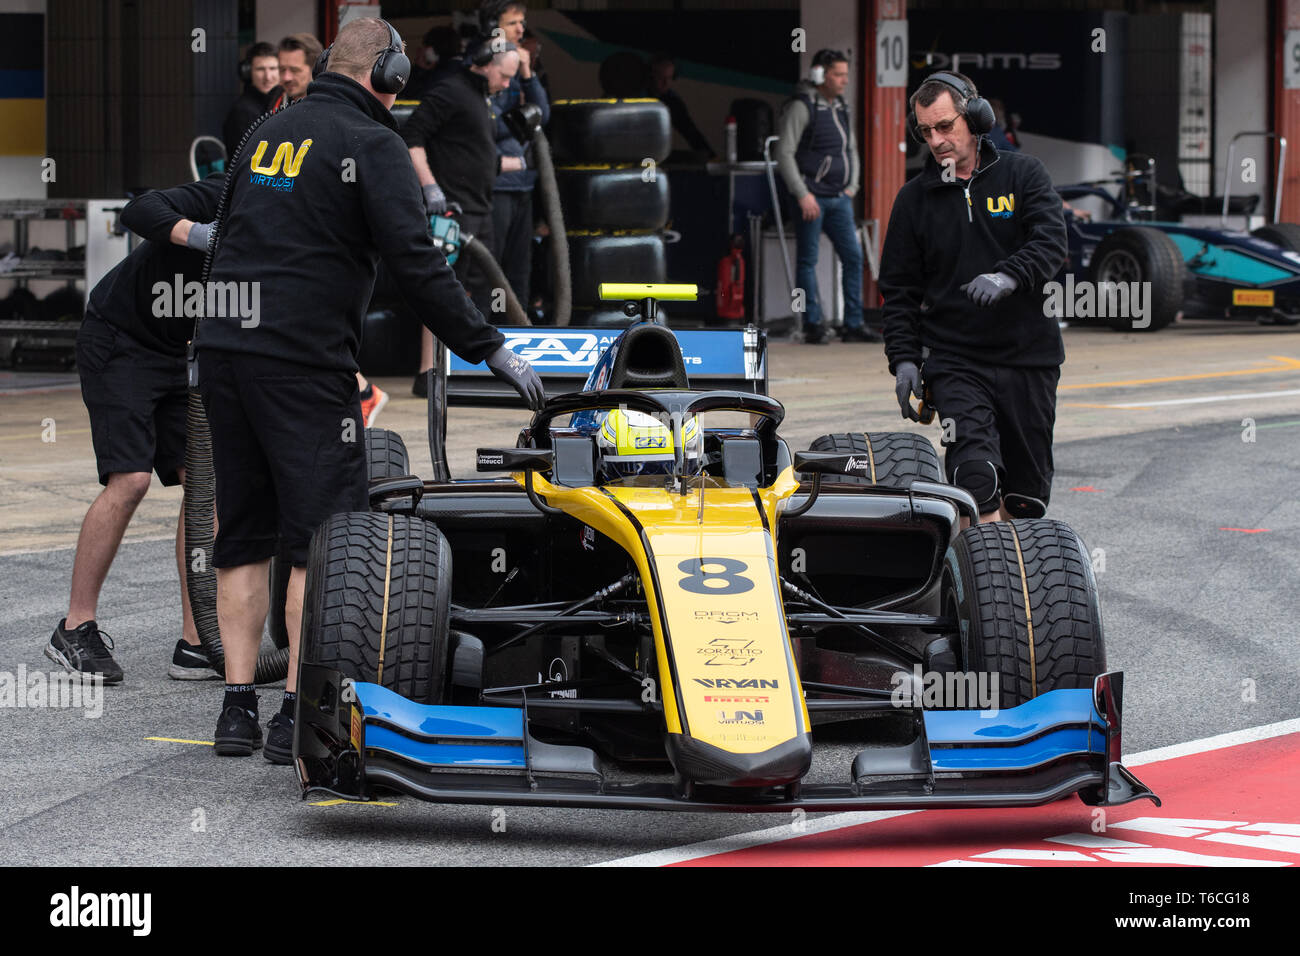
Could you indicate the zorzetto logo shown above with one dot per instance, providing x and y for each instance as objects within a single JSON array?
[{"x": 557, "y": 349}]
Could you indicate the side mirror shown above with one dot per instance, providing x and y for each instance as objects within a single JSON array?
[
  {"x": 527, "y": 460},
  {"x": 832, "y": 463},
  {"x": 515, "y": 459}
]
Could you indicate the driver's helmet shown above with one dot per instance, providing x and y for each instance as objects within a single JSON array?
[{"x": 634, "y": 443}]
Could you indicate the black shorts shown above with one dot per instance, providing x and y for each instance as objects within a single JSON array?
[
  {"x": 1002, "y": 414},
  {"x": 288, "y": 451},
  {"x": 136, "y": 398}
]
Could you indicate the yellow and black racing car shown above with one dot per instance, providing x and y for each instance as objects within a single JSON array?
[{"x": 661, "y": 604}]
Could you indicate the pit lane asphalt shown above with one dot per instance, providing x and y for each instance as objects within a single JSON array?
[{"x": 1202, "y": 621}]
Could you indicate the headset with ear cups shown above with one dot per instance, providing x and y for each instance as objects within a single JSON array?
[
  {"x": 978, "y": 111},
  {"x": 485, "y": 47},
  {"x": 391, "y": 70},
  {"x": 822, "y": 59}
]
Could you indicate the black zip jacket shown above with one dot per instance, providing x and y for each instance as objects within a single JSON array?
[
  {"x": 125, "y": 296},
  {"x": 938, "y": 240},
  {"x": 310, "y": 215},
  {"x": 455, "y": 127},
  {"x": 250, "y": 105}
]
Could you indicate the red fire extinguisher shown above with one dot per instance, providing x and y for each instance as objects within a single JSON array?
[{"x": 730, "y": 294}]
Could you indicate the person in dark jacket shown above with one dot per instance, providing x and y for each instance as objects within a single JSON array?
[
  {"x": 261, "y": 90},
  {"x": 131, "y": 359},
  {"x": 512, "y": 193},
  {"x": 452, "y": 143},
  {"x": 663, "y": 72},
  {"x": 817, "y": 155},
  {"x": 326, "y": 192},
  {"x": 440, "y": 54},
  {"x": 971, "y": 241}
]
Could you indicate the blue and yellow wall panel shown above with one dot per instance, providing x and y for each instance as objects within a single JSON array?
[{"x": 22, "y": 84}]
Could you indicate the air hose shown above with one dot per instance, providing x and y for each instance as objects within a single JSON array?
[
  {"x": 200, "y": 490},
  {"x": 483, "y": 258},
  {"x": 563, "y": 281}
]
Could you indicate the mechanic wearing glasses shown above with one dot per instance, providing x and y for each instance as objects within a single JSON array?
[{"x": 971, "y": 241}]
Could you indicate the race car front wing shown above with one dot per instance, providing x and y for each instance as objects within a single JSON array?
[{"x": 354, "y": 737}]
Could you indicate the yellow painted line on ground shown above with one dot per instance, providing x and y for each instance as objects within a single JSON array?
[
  {"x": 181, "y": 740},
  {"x": 1122, "y": 408},
  {"x": 1286, "y": 364},
  {"x": 336, "y": 802},
  {"x": 37, "y": 436}
]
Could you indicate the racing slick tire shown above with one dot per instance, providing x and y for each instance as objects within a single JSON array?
[
  {"x": 1025, "y": 599},
  {"x": 895, "y": 458},
  {"x": 1284, "y": 234},
  {"x": 597, "y": 257},
  {"x": 386, "y": 455},
  {"x": 377, "y": 603},
  {"x": 1142, "y": 254},
  {"x": 609, "y": 131}
]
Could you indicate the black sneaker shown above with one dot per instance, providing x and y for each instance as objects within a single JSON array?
[
  {"x": 237, "y": 733},
  {"x": 814, "y": 334},
  {"x": 279, "y": 739},
  {"x": 83, "y": 652},
  {"x": 190, "y": 662},
  {"x": 858, "y": 333}
]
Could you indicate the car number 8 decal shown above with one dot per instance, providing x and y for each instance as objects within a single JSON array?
[{"x": 697, "y": 579}]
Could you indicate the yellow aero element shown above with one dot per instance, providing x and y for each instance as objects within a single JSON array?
[
  {"x": 667, "y": 291},
  {"x": 726, "y": 671},
  {"x": 639, "y": 99}
]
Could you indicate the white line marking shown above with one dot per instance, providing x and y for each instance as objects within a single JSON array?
[
  {"x": 1092, "y": 841},
  {"x": 1070, "y": 856},
  {"x": 1207, "y": 399},
  {"x": 1166, "y": 857},
  {"x": 739, "y": 841},
  {"x": 1278, "y": 844},
  {"x": 1171, "y": 826}
]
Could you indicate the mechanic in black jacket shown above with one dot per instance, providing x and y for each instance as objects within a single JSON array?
[
  {"x": 131, "y": 359},
  {"x": 326, "y": 191},
  {"x": 452, "y": 140},
  {"x": 971, "y": 241}
]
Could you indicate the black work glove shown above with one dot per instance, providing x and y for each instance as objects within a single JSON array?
[
  {"x": 907, "y": 382},
  {"x": 509, "y": 367},
  {"x": 990, "y": 288},
  {"x": 435, "y": 200},
  {"x": 200, "y": 235}
]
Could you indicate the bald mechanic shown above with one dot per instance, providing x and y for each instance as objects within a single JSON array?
[{"x": 326, "y": 191}]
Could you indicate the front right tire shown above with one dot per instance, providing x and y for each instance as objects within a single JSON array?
[{"x": 1025, "y": 599}]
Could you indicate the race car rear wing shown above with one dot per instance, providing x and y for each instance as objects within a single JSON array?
[{"x": 734, "y": 359}]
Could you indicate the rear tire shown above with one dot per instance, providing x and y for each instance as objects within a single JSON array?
[
  {"x": 1142, "y": 254},
  {"x": 982, "y": 587},
  {"x": 386, "y": 455},
  {"x": 360, "y": 607},
  {"x": 1284, "y": 234},
  {"x": 897, "y": 458}
]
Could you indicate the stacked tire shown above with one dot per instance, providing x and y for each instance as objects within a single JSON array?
[{"x": 614, "y": 196}]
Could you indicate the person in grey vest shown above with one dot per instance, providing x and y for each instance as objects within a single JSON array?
[{"x": 817, "y": 156}]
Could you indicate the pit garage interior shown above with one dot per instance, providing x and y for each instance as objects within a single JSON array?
[{"x": 103, "y": 99}]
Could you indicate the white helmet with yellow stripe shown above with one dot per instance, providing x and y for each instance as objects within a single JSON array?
[{"x": 633, "y": 443}]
